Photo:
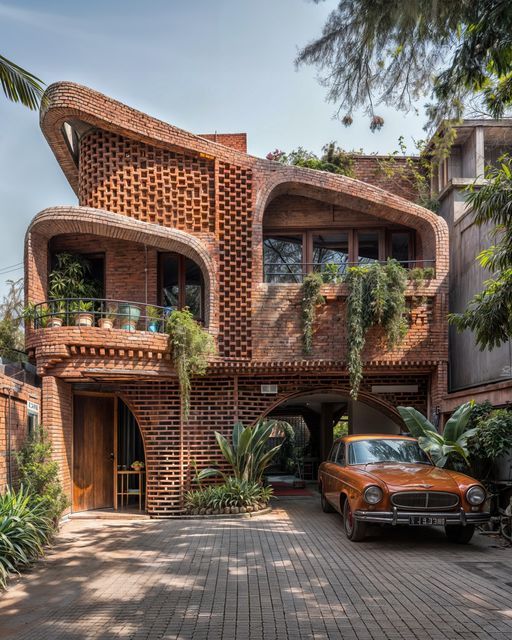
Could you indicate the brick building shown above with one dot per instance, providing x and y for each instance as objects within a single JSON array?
[{"x": 171, "y": 219}]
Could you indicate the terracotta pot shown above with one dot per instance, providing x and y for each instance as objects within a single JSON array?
[
  {"x": 54, "y": 321},
  {"x": 84, "y": 319},
  {"x": 106, "y": 323}
]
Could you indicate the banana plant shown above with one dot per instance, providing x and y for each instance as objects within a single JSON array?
[
  {"x": 247, "y": 453},
  {"x": 441, "y": 447}
]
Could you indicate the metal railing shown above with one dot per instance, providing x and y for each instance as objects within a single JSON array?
[
  {"x": 331, "y": 272},
  {"x": 96, "y": 312}
]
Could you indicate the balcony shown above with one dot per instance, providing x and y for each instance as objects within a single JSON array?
[
  {"x": 91, "y": 337},
  {"x": 104, "y": 314}
]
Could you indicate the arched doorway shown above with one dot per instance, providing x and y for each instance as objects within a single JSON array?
[
  {"x": 328, "y": 413},
  {"x": 107, "y": 441}
]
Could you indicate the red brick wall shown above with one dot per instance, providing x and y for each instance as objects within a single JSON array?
[
  {"x": 13, "y": 419},
  {"x": 236, "y": 141},
  {"x": 370, "y": 169},
  {"x": 125, "y": 265},
  {"x": 57, "y": 419},
  {"x": 146, "y": 182}
]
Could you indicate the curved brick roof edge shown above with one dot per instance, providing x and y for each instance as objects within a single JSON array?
[{"x": 65, "y": 101}]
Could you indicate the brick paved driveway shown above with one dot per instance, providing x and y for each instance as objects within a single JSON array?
[{"x": 291, "y": 574}]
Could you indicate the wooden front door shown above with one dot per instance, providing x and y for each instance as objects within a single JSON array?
[{"x": 93, "y": 449}]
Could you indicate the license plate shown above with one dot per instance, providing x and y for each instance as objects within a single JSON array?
[{"x": 426, "y": 520}]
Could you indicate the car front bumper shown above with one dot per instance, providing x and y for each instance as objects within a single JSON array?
[{"x": 404, "y": 517}]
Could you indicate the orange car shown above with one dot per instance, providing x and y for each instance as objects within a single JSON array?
[{"x": 388, "y": 479}]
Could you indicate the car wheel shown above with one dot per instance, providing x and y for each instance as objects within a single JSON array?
[
  {"x": 459, "y": 533},
  {"x": 355, "y": 531},
  {"x": 326, "y": 506}
]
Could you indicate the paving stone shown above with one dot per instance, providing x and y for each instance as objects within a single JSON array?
[{"x": 290, "y": 575}]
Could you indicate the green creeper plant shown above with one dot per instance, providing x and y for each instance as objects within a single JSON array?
[
  {"x": 376, "y": 297},
  {"x": 445, "y": 447},
  {"x": 247, "y": 454},
  {"x": 191, "y": 346},
  {"x": 311, "y": 298},
  {"x": 493, "y": 436}
]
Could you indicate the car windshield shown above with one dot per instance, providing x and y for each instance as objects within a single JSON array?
[{"x": 382, "y": 450}]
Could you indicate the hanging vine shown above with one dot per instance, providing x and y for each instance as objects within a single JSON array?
[
  {"x": 191, "y": 345},
  {"x": 376, "y": 297},
  {"x": 311, "y": 298}
]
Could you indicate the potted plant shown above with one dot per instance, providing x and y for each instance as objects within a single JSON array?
[
  {"x": 154, "y": 318},
  {"x": 137, "y": 465},
  {"x": 82, "y": 313},
  {"x": 55, "y": 314},
  {"x": 129, "y": 314},
  {"x": 108, "y": 318}
]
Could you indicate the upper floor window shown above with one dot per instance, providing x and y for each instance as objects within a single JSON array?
[
  {"x": 181, "y": 284},
  {"x": 287, "y": 256}
]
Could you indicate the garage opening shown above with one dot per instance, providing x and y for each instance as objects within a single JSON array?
[{"x": 316, "y": 419}]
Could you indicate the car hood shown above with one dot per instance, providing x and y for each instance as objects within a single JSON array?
[{"x": 400, "y": 477}]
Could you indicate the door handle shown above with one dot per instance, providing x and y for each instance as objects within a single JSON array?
[{"x": 111, "y": 456}]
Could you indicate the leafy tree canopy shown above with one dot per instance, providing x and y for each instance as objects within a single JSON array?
[
  {"x": 393, "y": 52},
  {"x": 11, "y": 332}
]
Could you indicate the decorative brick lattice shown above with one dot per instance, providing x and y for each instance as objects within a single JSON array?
[
  {"x": 235, "y": 268},
  {"x": 146, "y": 182}
]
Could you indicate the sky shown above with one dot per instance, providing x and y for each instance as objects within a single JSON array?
[{"x": 202, "y": 65}]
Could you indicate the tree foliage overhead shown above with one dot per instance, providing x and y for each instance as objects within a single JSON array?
[
  {"x": 393, "y": 52},
  {"x": 11, "y": 331},
  {"x": 489, "y": 314}
]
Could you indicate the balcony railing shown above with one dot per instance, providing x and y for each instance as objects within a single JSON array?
[
  {"x": 332, "y": 273},
  {"x": 95, "y": 312}
]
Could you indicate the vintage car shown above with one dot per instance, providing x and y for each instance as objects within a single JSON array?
[{"x": 385, "y": 479}]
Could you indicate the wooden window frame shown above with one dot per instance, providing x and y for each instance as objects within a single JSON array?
[
  {"x": 181, "y": 281},
  {"x": 384, "y": 239}
]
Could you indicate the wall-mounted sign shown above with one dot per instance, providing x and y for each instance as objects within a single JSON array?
[{"x": 33, "y": 407}]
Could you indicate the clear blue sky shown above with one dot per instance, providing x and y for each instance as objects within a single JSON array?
[{"x": 203, "y": 65}]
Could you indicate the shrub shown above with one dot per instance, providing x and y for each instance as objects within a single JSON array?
[
  {"x": 39, "y": 474},
  {"x": 247, "y": 454},
  {"x": 25, "y": 527},
  {"x": 232, "y": 496},
  {"x": 493, "y": 436}
]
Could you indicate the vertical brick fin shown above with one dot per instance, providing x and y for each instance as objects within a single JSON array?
[
  {"x": 235, "y": 269},
  {"x": 148, "y": 183}
]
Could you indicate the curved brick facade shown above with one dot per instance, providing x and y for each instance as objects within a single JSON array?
[{"x": 145, "y": 186}]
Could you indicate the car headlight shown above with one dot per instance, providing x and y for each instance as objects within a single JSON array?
[
  {"x": 476, "y": 495},
  {"x": 373, "y": 494}
]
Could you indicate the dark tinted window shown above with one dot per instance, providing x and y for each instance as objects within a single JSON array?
[
  {"x": 368, "y": 247},
  {"x": 340, "y": 458},
  {"x": 400, "y": 246}
]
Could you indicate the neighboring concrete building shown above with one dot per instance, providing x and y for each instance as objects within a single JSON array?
[
  {"x": 473, "y": 374},
  {"x": 171, "y": 219}
]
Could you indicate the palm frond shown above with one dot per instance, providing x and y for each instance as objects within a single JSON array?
[{"x": 20, "y": 85}]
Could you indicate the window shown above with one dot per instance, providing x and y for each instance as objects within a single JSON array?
[
  {"x": 334, "y": 451},
  {"x": 400, "y": 248},
  {"x": 340, "y": 458},
  {"x": 282, "y": 257},
  {"x": 288, "y": 255},
  {"x": 181, "y": 284},
  {"x": 376, "y": 451},
  {"x": 330, "y": 248},
  {"x": 368, "y": 249}
]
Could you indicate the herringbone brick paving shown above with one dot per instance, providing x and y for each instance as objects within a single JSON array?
[{"x": 289, "y": 575}]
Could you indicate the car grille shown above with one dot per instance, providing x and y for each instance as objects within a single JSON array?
[{"x": 423, "y": 500}]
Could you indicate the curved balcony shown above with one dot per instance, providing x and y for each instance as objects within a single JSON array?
[{"x": 81, "y": 337}]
